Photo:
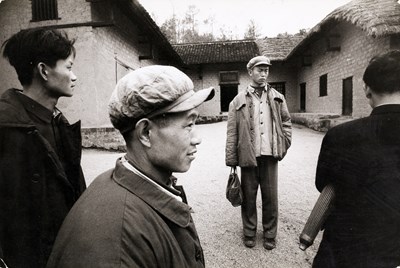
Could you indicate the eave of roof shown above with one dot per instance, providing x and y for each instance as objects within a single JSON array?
[
  {"x": 376, "y": 17},
  {"x": 144, "y": 18}
]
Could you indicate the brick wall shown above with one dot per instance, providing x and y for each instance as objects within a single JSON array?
[
  {"x": 356, "y": 50},
  {"x": 281, "y": 72}
]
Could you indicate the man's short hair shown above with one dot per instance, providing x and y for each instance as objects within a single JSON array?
[
  {"x": 383, "y": 73},
  {"x": 27, "y": 48}
]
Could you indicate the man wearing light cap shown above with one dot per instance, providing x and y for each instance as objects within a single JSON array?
[
  {"x": 135, "y": 215},
  {"x": 258, "y": 136}
]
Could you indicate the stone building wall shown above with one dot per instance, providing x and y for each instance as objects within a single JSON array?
[{"x": 356, "y": 49}]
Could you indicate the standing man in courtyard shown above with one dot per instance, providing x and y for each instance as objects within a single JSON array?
[
  {"x": 361, "y": 159},
  {"x": 40, "y": 152},
  {"x": 135, "y": 215},
  {"x": 258, "y": 135}
]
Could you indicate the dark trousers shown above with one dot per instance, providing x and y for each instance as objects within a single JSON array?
[{"x": 265, "y": 175}]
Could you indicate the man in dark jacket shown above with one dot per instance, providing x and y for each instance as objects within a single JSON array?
[
  {"x": 259, "y": 132},
  {"x": 135, "y": 215},
  {"x": 40, "y": 173},
  {"x": 362, "y": 161}
]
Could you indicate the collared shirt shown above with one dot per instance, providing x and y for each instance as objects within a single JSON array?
[
  {"x": 171, "y": 192},
  {"x": 262, "y": 122},
  {"x": 45, "y": 121}
]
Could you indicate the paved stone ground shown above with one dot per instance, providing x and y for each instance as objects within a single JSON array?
[{"x": 218, "y": 223}]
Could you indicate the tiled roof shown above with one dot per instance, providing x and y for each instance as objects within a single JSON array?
[
  {"x": 217, "y": 52},
  {"x": 277, "y": 48}
]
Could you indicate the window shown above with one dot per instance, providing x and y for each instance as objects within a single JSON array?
[
  {"x": 323, "y": 85},
  {"x": 306, "y": 60},
  {"x": 333, "y": 42},
  {"x": 279, "y": 86},
  {"x": 231, "y": 77},
  {"x": 44, "y": 10}
]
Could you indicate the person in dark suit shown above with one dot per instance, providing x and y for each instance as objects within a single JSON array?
[
  {"x": 40, "y": 151},
  {"x": 361, "y": 159}
]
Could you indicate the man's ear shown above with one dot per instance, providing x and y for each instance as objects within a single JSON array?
[
  {"x": 142, "y": 131},
  {"x": 42, "y": 70},
  {"x": 368, "y": 92}
]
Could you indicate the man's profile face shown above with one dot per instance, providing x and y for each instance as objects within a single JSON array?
[
  {"x": 173, "y": 144},
  {"x": 61, "y": 79},
  {"x": 259, "y": 74}
]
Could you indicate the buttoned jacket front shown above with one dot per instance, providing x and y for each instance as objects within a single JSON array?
[
  {"x": 36, "y": 192},
  {"x": 240, "y": 149},
  {"x": 123, "y": 220}
]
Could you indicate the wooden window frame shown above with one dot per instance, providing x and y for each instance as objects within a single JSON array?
[
  {"x": 44, "y": 10},
  {"x": 229, "y": 78},
  {"x": 306, "y": 60},
  {"x": 279, "y": 85},
  {"x": 333, "y": 42}
]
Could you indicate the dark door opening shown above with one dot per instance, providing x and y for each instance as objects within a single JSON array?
[
  {"x": 302, "y": 97},
  {"x": 228, "y": 92},
  {"x": 347, "y": 101}
]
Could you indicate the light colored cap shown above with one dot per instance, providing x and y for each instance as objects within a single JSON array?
[
  {"x": 259, "y": 60},
  {"x": 151, "y": 91}
]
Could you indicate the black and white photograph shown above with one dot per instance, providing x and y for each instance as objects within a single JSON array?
[{"x": 200, "y": 133}]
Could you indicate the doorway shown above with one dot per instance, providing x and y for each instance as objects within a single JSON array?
[
  {"x": 228, "y": 92},
  {"x": 302, "y": 97},
  {"x": 347, "y": 96}
]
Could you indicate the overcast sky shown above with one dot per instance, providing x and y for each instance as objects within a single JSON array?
[{"x": 271, "y": 16}]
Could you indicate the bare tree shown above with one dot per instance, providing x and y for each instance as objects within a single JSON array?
[
  {"x": 252, "y": 31},
  {"x": 185, "y": 30}
]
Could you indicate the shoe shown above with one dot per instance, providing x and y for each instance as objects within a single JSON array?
[
  {"x": 269, "y": 243},
  {"x": 249, "y": 241}
]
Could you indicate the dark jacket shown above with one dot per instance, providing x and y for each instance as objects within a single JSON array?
[
  {"x": 239, "y": 150},
  {"x": 362, "y": 160},
  {"x": 36, "y": 192},
  {"x": 123, "y": 220}
]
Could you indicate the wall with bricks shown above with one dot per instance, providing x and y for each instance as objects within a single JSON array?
[
  {"x": 356, "y": 49},
  {"x": 283, "y": 72}
]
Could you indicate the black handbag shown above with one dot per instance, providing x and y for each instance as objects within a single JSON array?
[{"x": 233, "y": 189}]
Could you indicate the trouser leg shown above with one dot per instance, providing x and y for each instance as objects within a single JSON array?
[
  {"x": 268, "y": 168},
  {"x": 249, "y": 182}
]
